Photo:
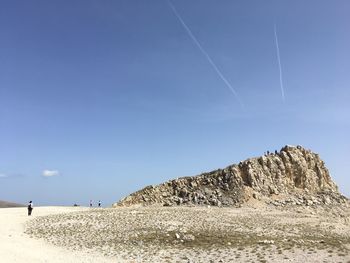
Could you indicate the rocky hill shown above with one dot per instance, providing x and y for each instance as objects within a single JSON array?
[
  {"x": 5, "y": 204},
  {"x": 292, "y": 176}
]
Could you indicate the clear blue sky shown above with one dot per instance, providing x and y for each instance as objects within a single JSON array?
[{"x": 111, "y": 96}]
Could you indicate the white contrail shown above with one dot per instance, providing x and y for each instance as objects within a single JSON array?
[
  {"x": 188, "y": 30},
  {"x": 279, "y": 64}
]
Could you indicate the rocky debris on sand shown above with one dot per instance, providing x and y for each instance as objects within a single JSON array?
[
  {"x": 293, "y": 176},
  {"x": 267, "y": 242},
  {"x": 179, "y": 234}
]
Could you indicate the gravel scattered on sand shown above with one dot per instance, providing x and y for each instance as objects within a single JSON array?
[{"x": 202, "y": 234}]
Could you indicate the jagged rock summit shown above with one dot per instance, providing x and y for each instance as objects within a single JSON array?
[{"x": 293, "y": 176}]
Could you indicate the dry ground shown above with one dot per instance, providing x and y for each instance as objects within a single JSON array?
[
  {"x": 16, "y": 246},
  {"x": 201, "y": 234}
]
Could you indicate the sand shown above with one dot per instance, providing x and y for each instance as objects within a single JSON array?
[
  {"x": 16, "y": 246},
  {"x": 174, "y": 234}
]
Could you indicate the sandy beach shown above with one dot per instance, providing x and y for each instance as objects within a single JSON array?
[{"x": 177, "y": 234}]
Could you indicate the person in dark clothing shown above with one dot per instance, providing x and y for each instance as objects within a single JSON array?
[
  {"x": 99, "y": 203},
  {"x": 90, "y": 203},
  {"x": 30, "y": 208}
]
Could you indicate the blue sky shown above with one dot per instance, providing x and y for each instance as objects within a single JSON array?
[{"x": 110, "y": 96}]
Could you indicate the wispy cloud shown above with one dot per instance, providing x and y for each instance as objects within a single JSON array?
[
  {"x": 204, "y": 52},
  {"x": 50, "y": 173},
  {"x": 11, "y": 175},
  {"x": 279, "y": 63}
]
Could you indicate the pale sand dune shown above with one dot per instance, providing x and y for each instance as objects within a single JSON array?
[{"x": 16, "y": 246}]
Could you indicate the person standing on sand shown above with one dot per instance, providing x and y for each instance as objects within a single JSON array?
[
  {"x": 90, "y": 203},
  {"x": 30, "y": 208},
  {"x": 99, "y": 203}
]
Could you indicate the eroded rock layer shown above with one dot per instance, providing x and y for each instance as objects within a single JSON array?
[{"x": 293, "y": 176}]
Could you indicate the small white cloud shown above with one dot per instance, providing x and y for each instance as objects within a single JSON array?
[
  {"x": 50, "y": 173},
  {"x": 3, "y": 175}
]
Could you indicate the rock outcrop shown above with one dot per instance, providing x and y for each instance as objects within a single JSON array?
[{"x": 293, "y": 176}]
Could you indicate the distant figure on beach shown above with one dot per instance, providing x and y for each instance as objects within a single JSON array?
[
  {"x": 99, "y": 203},
  {"x": 30, "y": 208},
  {"x": 90, "y": 203}
]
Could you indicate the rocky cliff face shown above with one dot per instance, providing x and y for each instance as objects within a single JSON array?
[{"x": 293, "y": 176}]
